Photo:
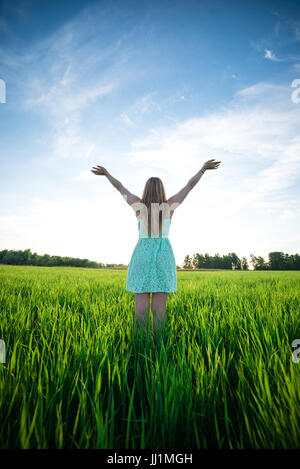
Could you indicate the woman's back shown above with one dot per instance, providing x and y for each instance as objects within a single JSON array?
[{"x": 154, "y": 234}]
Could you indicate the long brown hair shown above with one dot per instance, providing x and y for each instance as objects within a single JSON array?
[{"x": 154, "y": 192}]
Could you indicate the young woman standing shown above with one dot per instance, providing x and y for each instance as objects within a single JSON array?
[{"x": 152, "y": 267}]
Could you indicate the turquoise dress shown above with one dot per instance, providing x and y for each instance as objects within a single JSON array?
[{"x": 152, "y": 266}]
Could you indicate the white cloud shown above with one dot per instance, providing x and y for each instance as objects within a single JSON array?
[
  {"x": 86, "y": 175},
  {"x": 271, "y": 56},
  {"x": 61, "y": 100},
  {"x": 53, "y": 80},
  {"x": 124, "y": 117},
  {"x": 257, "y": 139},
  {"x": 296, "y": 67},
  {"x": 244, "y": 132},
  {"x": 86, "y": 227},
  {"x": 146, "y": 104}
]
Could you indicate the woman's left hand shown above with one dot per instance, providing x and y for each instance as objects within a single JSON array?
[{"x": 99, "y": 171}]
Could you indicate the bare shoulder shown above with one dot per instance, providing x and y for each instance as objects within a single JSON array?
[
  {"x": 173, "y": 200},
  {"x": 135, "y": 199},
  {"x": 173, "y": 203}
]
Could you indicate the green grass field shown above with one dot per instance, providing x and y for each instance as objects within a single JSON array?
[{"x": 221, "y": 375}]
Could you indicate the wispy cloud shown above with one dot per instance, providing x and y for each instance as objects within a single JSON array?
[
  {"x": 258, "y": 130},
  {"x": 147, "y": 104},
  {"x": 62, "y": 97},
  {"x": 62, "y": 106},
  {"x": 271, "y": 56},
  {"x": 294, "y": 25},
  {"x": 124, "y": 118},
  {"x": 54, "y": 83},
  {"x": 152, "y": 104},
  {"x": 85, "y": 175}
]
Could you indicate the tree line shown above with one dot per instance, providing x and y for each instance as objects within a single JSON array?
[
  {"x": 277, "y": 260},
  {"x": 26, "y": 257}
]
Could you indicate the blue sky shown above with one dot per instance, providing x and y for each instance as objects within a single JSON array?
[{"x": 149, "y": 88}]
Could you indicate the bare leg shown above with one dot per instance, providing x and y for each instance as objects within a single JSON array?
[
  {"x": 142, "y": 306},
  {"x": 158, "y": 307}
]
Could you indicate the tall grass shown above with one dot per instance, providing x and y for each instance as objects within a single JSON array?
[{"x": 220, "y": 375}]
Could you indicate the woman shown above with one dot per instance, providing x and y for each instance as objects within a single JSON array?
[{"x": 152, "y": 268}]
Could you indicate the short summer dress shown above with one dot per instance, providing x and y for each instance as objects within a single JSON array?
[{"x": 152, "y": 267}]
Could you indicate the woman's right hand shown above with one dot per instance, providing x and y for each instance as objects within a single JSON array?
[
  {"x": 99, "y": 171},
  {"x": 211, "y": 164}
]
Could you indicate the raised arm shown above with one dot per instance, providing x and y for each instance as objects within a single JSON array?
[
  {"x": 181, "y": 195},
  {"x": 128, "y": 196}
]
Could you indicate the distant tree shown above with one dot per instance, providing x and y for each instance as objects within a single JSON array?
[
  {"x": 34, "y": 259},
  {"x": 235, "y": 261},
  {"x": 295, "y": 262},
  {"x": 13, "y": 258},
  {"x": 207, "y": 261},
  {"x": 253, "y": 261},
  {"x": 227, "y": 262},
  {"x": 277, "y": 260},
  {"x": 217, "y": 261},
  {"x": 26, "y": 257},
  {"x": 195, "y": 261},
  {"x": 244, "y": 264},
  {"x": 187, "y": 263},
  {"x": 2, "y": 255},
  {"x": 261, "y": 264},
  {"x": 289, "y": 262},
  {"x": 44, "y": 260},
  {"x": 200, "y": 261}
]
